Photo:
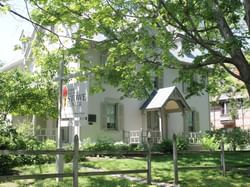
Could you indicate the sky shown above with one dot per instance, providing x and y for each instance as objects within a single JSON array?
[{"x": 10, "y": 30}]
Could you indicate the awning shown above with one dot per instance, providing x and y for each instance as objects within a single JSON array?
[{"x": 170, "y": 98}]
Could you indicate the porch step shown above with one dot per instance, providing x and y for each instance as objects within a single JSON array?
[{"x": 195, "y": 147}]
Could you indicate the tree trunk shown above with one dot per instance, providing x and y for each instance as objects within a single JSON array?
[{"x": 248, "y": 88}]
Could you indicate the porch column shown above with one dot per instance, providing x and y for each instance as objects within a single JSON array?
[
  {"x": 160, "y": 123},
  {"x": 185, "y": 124},
  {"x": 165, "y": 126}
]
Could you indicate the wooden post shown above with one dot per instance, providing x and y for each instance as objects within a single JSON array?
[
  {"x": 223, "y": 165},
  {"x": 175, "y": 161},
  {"x": 149, "y": 177},
  {"x": 75, "y": 161}
]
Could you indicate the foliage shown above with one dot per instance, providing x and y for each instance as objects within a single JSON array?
[
  {"x": 182, "y": 143},
  {"x": 140, "y": 34},
  {"x": 108, "y": 145},
  {"x": 236, "y": 137},
  {"x": 10, "y": 139},
  {"x": 209, "y": 143},
  {"x": 26, "y": 94},
  {"x": 166, "y": 145},
  {"x": 233, "y": 137}
]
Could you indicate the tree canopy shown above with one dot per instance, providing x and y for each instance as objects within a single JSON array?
[
  {"x": 140, "y": 33},
  {"x": 26, "y": 94}
]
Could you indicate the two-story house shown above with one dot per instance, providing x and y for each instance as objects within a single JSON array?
[{"x": 112, "y": 116}]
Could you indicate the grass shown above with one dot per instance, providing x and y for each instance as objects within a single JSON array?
[{"x": 161, "y": 171}]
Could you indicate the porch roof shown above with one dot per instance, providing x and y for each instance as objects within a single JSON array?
[{"x": 162, "y": 97}]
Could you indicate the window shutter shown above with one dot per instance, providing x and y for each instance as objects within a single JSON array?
[
  {"x": 120, "y": 116},
  {"x": 103, "y": 120},
  {"x": 195, "y": 116},
  {"x": 187, "y": 124}
]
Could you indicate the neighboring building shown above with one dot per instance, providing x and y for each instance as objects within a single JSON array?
[
  {"x": 230, "y": 112},
  {"x": 126, "y": 119}
]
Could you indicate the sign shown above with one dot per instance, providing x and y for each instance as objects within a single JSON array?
[{"x": 75, "y": 101}]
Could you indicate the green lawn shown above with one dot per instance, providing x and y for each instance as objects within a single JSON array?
[{"x": 161, "y": 171}]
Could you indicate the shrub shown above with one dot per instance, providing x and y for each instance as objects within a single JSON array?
[
  {"x": 10, "y": 139},
  {"x": 233, "y": 138},
  {"x": 209, "y": 142},
  {"x": 68, "y": 157},
  {"x": 165, "y": 146},
  {"x": 236, "y": 137},
  {"x": 121, "y": 146},
  {"x": 182, "y": 143}
]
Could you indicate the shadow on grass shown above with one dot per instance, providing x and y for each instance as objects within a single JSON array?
[
  {"x": 204, "y": 178},
  {"x": 98, "y": 181}
]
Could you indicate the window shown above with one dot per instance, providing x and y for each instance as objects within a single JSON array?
[
  {"x": 230, "y": 108},
  {"x": 224, "y": 108},
  {"x": 112, "y": 115},
  {"x": 65, "y": 134},
  {"x": 158, "y": 82},
  {"x": 192, "y": 121}
]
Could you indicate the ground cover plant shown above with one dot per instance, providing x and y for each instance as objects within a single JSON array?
[{"x": 161, "y": 170}]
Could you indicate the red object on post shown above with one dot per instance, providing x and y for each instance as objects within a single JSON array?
[{"x": 65, "y": 91}]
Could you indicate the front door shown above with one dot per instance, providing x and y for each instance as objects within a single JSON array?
[{"x": 174, "y": 124}]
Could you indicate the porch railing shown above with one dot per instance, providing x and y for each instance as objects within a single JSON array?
[
  {"x": 44, "y": 134},
  {"x": 195, "y": 137},
  {"x": 140, "y": 136}
]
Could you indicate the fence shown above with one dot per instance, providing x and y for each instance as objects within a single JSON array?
[
  {"x": 75, "y": 174},
  {"x": 223, "y": 167}
]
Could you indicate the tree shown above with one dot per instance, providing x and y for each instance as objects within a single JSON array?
[
  {"x": 140, "y": 33},
  {"x": 26, "y": 94}
]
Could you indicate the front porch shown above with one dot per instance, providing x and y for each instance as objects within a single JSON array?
[
  {"x": 166, "y": 112},
  {"x": 140, "y": 137}
]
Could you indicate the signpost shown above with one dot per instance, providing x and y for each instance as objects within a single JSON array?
[
  {"x": 59, "y": 157},
  {"x": 75, "y": 98},
  {"x": 75, "y": 105},
  {"x": 72, "y": 107}
]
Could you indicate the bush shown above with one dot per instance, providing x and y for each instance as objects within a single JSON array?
[
  {"x": 165, "y": 146},
  {"x": 10, "y": 139},
  {"x": 236, "y": 138},
  {"x": 209, "y": 142},
  {"x": 233, "y": 138},
  {"x": 182, "y": 143},
  {"x": 107, "y": 145},
  {"x": 68, "y": 157},
  {"x": 121, "y": 146}
]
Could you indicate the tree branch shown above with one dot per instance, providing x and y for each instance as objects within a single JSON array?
[
  {"x": 247, "y": 10},
  {"x": 226, "y": 31},
  {"x": 231, "y": 72},
  {"x": 34, "y": 23}
]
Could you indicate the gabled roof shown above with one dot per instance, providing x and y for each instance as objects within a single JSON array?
[
  {"x": 12, "y": 65},
  {"x": 161, "y": 97}
]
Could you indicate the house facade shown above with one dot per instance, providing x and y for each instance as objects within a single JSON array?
[
  {"x": 111, "y": 116},
  {"x": 230, "y": 112}
]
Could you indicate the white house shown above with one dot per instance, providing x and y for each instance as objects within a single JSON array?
[{"x": 111, "y": 116}]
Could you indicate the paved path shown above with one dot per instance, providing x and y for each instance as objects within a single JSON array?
[{"x": 131, "y": 178}]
